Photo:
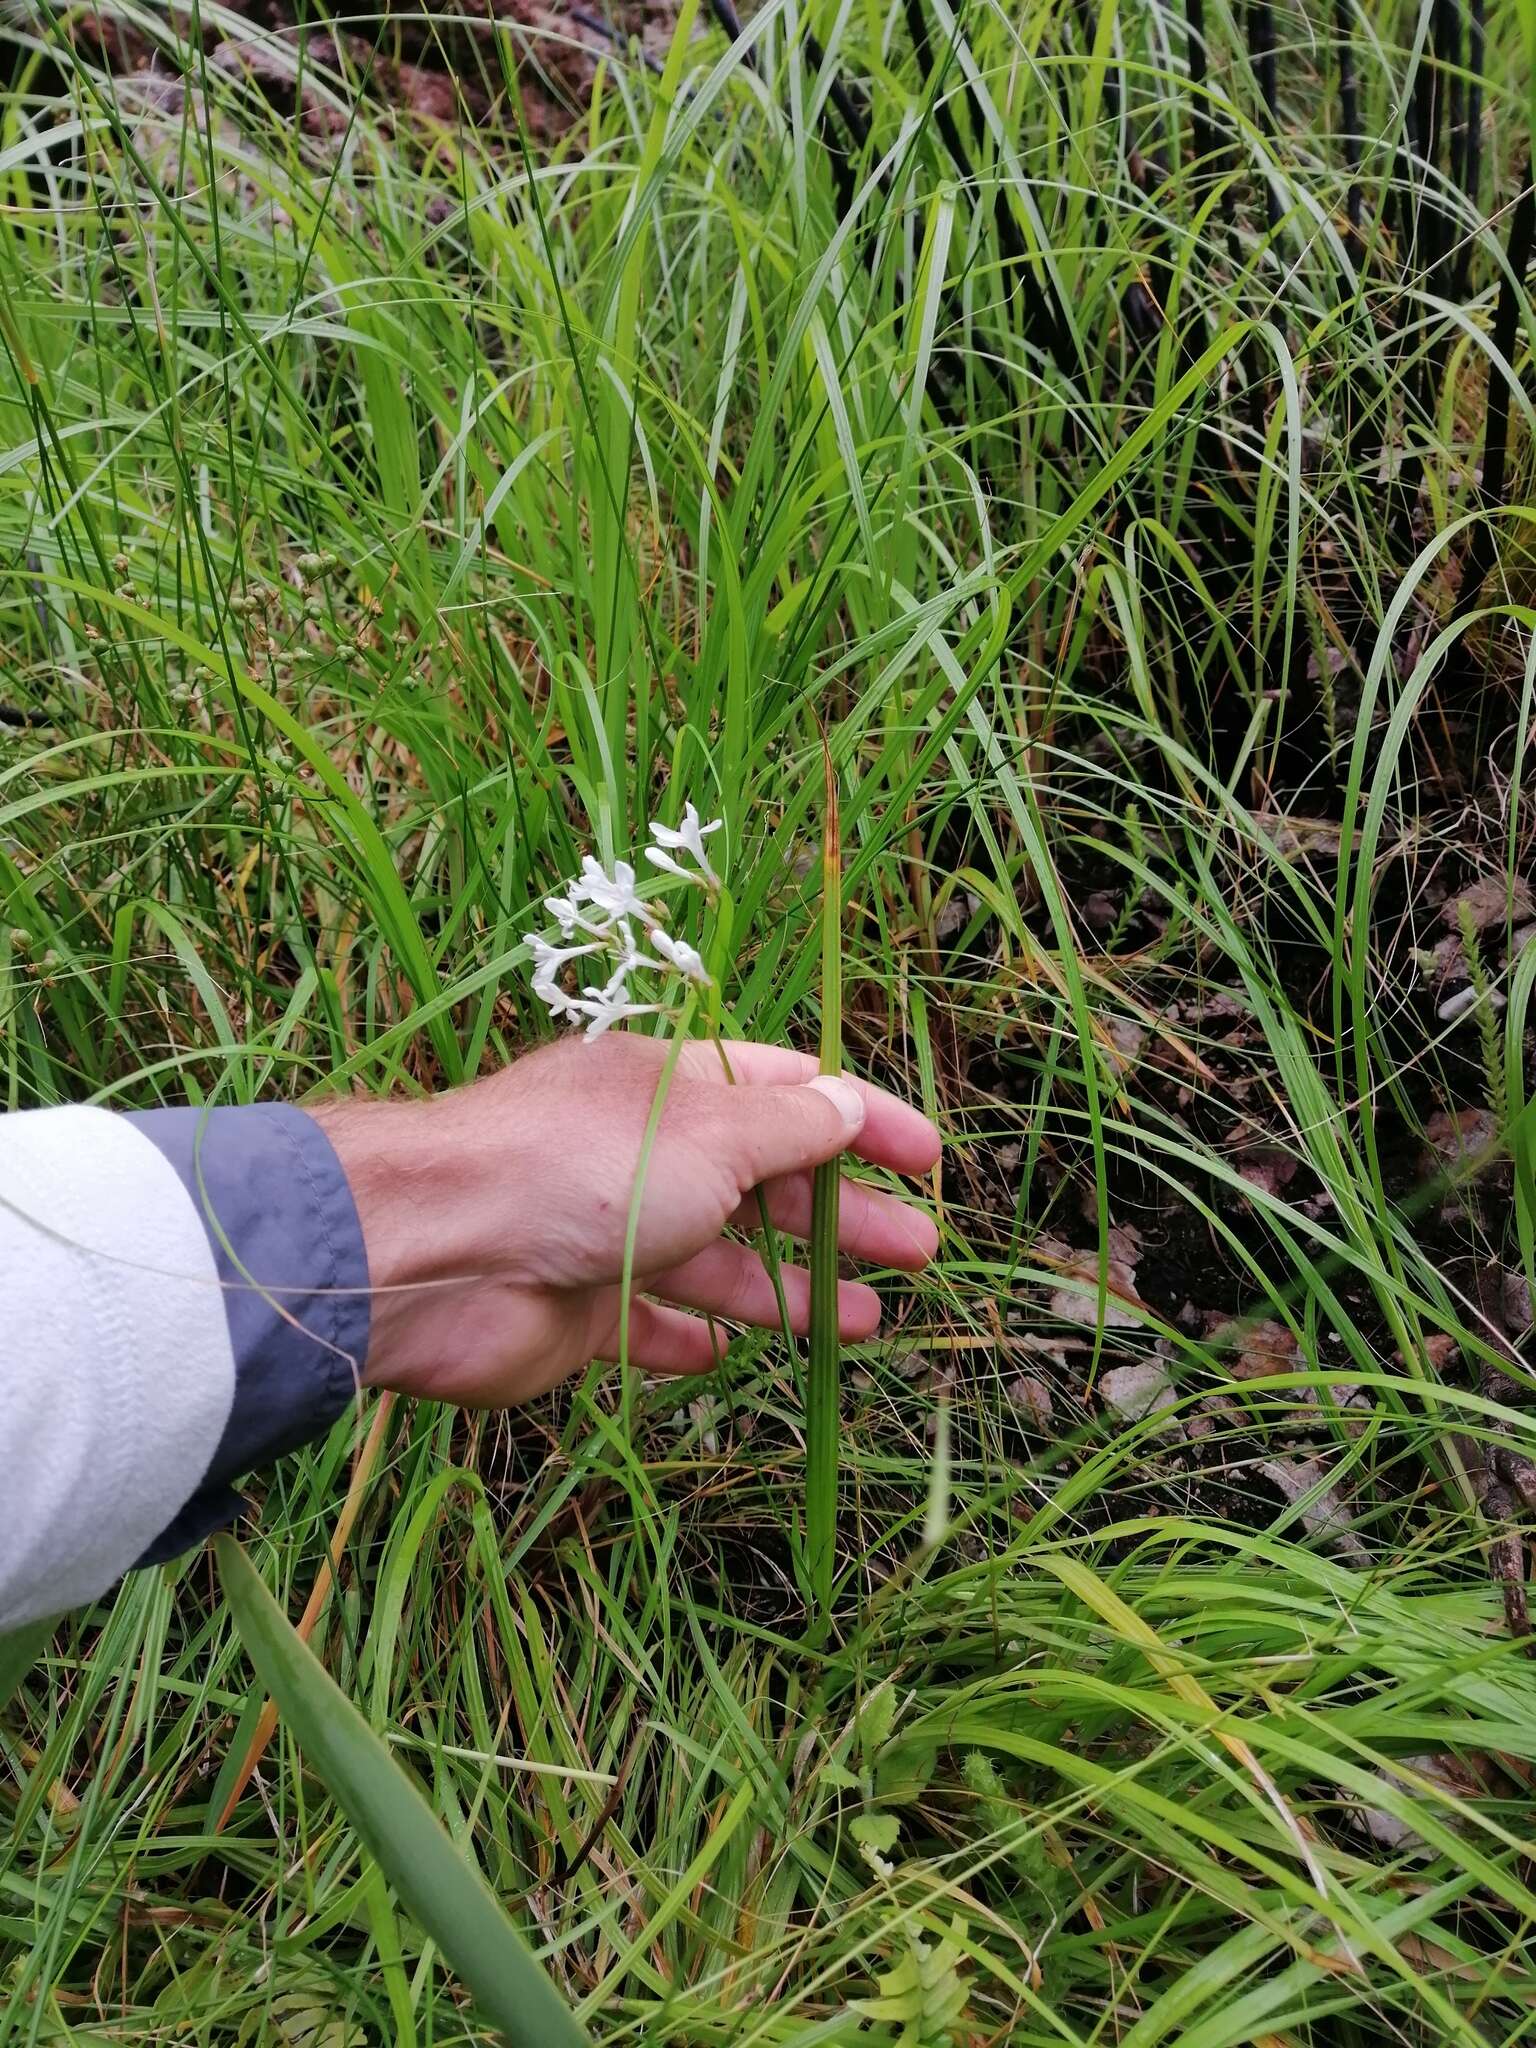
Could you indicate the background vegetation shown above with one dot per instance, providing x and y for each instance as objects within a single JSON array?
[{"x": 1111, "y": 422}]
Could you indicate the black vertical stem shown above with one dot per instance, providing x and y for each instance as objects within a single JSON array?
[
  {"x": 1199, "y": 104},
  {"x": 853, "y": 115},
  {"x": 1470, "y": 170},
  {"x": 1220, "y": 160},
  {"x": 1044, "y": 319},
  {"x": 1506, "y": 327},
  {"x": 1349, "y": 112},
  {"x": 1261, "y": 47},
  {"x": 1434, "y": 225},
  {"x": 1445, "y": 39}
]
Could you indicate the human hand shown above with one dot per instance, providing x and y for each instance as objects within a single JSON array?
[{"x": 495, "y": 1215}]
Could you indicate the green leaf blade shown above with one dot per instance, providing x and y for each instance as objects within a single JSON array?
[{"x": 438, "y": 1886}]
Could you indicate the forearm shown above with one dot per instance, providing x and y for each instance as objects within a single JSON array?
[
  {"x": 118, "y": 1370},
  {"x": 186, "y": 1300}
]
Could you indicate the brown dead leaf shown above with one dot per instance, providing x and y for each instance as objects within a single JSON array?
[
  {"x": 1079, "y": 1303},
  {"x": 1217, "y": 1414},
  {"x": 1129, "y": 1040},
  {"x": 1292, "y": 837},
  {"x": 1491, "y": 900},
  {"x": 1325, "y": 1513},
  {"x": 1446, "y": 960},
  {"x": 1516, "y": 1301},
  {"x": 1454, "y": 1139},
  {"x": 1268, "y": 1169},
  {"x": 1431, "y": 1959},
  {"x": 1265, "y": 1348},
  {"x": 1462, "y": 1145},
  {"x": 1031, "y": 1397},
  {"x": 1430, "y": 1778},
  {"x": 1132, "y": 1391},
  {"x": 1100, "y": 910}
]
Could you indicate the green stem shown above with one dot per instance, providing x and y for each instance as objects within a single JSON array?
[
  {"x": 627, "y": 1379},
  {"x": 824, "y": 1363},
  {"x": 821, "y": 1395},
  {"x": 765, "y": 1224}
]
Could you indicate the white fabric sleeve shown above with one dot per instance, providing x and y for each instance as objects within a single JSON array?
[{"x": 116, "y": 1372}]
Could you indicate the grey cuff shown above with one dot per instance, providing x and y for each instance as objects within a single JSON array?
[{"x": 289, "y": 1250}]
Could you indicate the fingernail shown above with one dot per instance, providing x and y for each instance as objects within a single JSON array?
[{"x": 847, "y": 1099}]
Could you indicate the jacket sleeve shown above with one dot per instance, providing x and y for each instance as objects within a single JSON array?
[{"x": 185, "y": 1300}]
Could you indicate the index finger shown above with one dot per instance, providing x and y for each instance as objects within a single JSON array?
[{"x": 894, "y": 1134}]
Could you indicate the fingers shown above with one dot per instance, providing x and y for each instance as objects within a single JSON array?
[
  {"x": 892, "y": 1134},
  {"x": 727, "y": 1281},
  {"x": 730, "y": 1281},
  {"x": 664, "y": 1340},
  {"x": 880, "y": 1229},
  {"x": 760, "y": 1133}
]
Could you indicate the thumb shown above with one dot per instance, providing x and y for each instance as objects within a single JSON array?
[{"x": 773, "y": 1131}]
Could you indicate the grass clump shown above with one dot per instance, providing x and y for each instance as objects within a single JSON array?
[{"x": 1088, "y": 421}]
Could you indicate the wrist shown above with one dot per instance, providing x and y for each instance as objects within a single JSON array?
[{"x": 420, "y": 1213}]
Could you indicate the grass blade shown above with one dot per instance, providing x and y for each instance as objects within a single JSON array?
[
  {"x": 442, "y": 1890},
  {"x": 19, "y": 1651},
  {"x": 824, "y": 1361},
  {"x": 242, "y": 1771}
]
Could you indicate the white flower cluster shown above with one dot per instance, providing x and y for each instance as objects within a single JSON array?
[{"x": 597, "y": 917}]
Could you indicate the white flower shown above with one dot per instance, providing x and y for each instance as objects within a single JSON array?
[
  {"x": 628, "y": 954},
  {"x": 689, "y": 838},
  {"x": 615, "y": 989},
  {"x": 669, "y": 866},
  {"x": 680, "y": 956},
  {"x": 600, "y": 915},
  {"x": 549, "y": 959},
  {"x": 613, "y": 894},
  {"x": 554, "y": 997},
  {"x": 566, "y": 912},
  {"x": 611, "y": 1005}
]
